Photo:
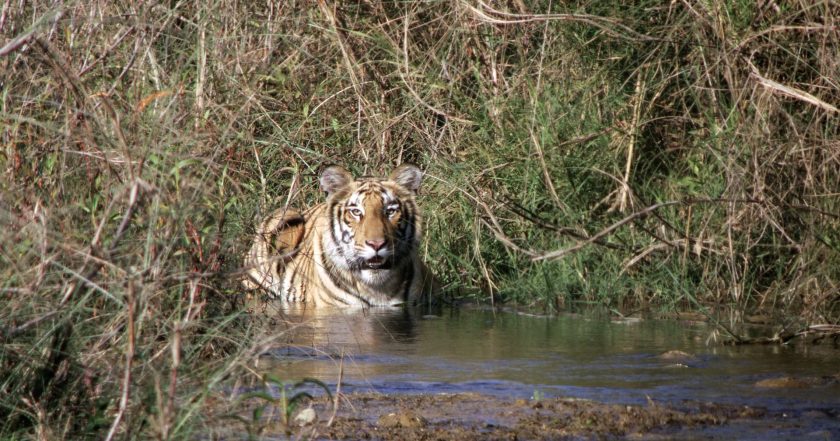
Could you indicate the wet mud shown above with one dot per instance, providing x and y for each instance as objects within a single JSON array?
[{"x": 481, "y": 417}]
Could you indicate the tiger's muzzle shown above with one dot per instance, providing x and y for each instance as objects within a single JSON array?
[{"x": 377, "y": 254}]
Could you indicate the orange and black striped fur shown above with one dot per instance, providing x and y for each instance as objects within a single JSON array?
[{"x": 359, "y": 248}]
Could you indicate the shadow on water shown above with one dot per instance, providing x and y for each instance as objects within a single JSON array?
[{"x": 401, "y": 351}]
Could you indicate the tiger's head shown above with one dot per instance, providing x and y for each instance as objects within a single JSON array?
[{"x": 373, "y": 222}]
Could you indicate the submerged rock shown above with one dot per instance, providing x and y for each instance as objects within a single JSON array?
[
  {"x": 675, "y": 355},
  {"x": 798, "y": 382}
]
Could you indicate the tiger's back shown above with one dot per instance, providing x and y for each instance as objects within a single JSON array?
[{"x": 359, "y": 248}]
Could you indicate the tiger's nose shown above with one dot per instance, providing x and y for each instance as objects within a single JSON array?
[{"x": 376, "y": 244}]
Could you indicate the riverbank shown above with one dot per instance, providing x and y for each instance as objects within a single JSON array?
[{"x": 482, "y": 417}]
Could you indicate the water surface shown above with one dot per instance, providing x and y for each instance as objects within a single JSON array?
[{"x": 519, "y": 356}]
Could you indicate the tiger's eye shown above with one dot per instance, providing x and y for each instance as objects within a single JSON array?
[
  {"x": 356, "y": 212},
  {"x": 390, "y": 211}
]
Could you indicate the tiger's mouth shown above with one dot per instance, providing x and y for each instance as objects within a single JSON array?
[{"x": 376, "y": 262}]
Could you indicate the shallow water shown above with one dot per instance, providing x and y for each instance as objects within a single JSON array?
[{"x": 519, "y": 356}]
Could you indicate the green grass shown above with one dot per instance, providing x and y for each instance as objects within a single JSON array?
[{"x": 141, "y": 143}]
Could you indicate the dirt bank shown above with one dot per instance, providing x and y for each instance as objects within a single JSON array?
[{"x": 481, "y": 417}]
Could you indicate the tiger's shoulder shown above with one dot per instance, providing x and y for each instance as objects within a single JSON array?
[
  {"x": 276, "y": 241},
  {"x": 358, "y": 248}
]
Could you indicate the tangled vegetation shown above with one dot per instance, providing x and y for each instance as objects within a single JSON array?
[{"x": 678, "y": 154}]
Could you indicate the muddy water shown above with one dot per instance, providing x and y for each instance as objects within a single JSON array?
[{"x": 517, "y": 356}]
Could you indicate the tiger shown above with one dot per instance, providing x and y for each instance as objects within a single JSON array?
[{"x": 359, "y": 248}]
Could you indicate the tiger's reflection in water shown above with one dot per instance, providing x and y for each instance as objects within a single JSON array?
[{"x": 320, "y": 342}]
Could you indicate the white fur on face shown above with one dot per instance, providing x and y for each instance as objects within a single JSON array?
[
  {"x": 367, "y": 252},
  {"x": 374, "y": 277}
]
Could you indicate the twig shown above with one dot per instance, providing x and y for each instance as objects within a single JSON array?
[
  {"x": 4, "y": 14},
  {"x": 801, "y": 95},
  {"x": 496, "y": 228},
  {"x": 534, "y": 218},
  {"x": 117, "y": 41},
  {"x": 560, "y": 253},
  {"x": 25, "y": 38},
  {"x": 337, "y": 390},
  {"x": 26, "y": 325},
  {"x": 495, "y": 16}
]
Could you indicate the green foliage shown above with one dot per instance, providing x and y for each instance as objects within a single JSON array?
[{"x": 290, "y": 398}]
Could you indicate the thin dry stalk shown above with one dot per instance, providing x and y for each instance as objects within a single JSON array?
[
  {"x": 169, "y": 411},
  {"x": 129, "y": 359},
  {"x": 793, "y": 92},
  {"x": 611, "y": 26},
  {"x": 202, "y": 67},
  {"x": 337, "y": 390},
  {"x": 491, "y": 286},
  {"x": 623, "y": 202}
]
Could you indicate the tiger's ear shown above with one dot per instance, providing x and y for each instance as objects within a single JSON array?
[
  {"x": 335, "y": 178},
  {"x": 408, "y": 176}
]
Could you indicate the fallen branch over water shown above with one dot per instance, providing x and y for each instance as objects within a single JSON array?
[{"x": 818, "y": 332}]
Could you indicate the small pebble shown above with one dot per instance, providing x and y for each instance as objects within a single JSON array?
[
  {"x": 305, "y": 417},
  {"x": 406, "y": 419}
]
